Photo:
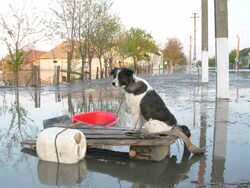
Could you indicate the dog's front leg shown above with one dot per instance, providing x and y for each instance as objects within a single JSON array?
[{"x": 138, "y": 122}]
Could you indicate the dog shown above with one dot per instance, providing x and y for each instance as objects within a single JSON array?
[{"x": 146, "y": 105}]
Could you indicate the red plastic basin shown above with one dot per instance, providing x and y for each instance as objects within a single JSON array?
[{"x": 104, "y": 119}]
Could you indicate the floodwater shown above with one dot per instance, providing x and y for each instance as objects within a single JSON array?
[{"x": 222, "y": 127}]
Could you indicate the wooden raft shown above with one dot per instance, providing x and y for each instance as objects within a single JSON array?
[
  {"x": 142, "y": 146},
  {"x": 116, "y": 137}
]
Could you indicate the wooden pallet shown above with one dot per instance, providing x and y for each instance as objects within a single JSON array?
[
  {"x": 142, "y": 146},
  {"x": 116, "y": 137}
]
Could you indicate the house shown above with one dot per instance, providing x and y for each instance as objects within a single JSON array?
[
  {"x": 48, "y": 63},
  {"x": 57, "y": 57},
  {"x": 245, "y": 58},
  {"x": 25, "y": 70}
]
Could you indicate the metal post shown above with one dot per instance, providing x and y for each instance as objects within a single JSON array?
[
  {"x": 221, "y": 44},
  {"x": 38, "y": 76},
  {"x": 58, "y": 69},
  {"x": 37, "y": 98},
  {"x": 204, "y": 70},
  {"x": 36, "y": 82}
]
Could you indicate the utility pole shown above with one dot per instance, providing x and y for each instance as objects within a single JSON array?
[
  {"x": 204, "y": 45},
  {"x": 221, "y": 46},
  {"x": 190, "y": 49},
  {"x": 195, "y": 16},
  {"x": 190, "y": 54},
  {"x": 237, "y": 58}
]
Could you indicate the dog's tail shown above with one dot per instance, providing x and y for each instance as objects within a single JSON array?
[
  {"x": 183, "y": 133},
  {"x": 187, "y": 132}
]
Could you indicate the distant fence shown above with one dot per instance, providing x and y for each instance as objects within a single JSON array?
[
  {"x": 36, "y": 77},
  {"x": 213, "y": 69}
]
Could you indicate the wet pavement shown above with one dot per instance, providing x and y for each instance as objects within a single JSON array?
[{"x": 222, "y": 127}]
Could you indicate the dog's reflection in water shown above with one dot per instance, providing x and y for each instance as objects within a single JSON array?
[{"x": 156, "y": 174}]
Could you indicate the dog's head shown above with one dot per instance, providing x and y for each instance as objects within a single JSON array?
[{"x": 122, "y": 77}]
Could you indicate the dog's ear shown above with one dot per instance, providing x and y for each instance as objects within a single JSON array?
[
  {"x": 136, "y": 88},
  {"x": 128, "y": 72},
  {"x": 113, "y": 71}
]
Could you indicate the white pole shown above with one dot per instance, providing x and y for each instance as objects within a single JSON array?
[
  {"x": 222, "y": 60},
  {"x": 222, "y": 55},
  {"x": 204, "y": 67}
]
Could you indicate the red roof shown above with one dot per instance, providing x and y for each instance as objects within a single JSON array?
[
  {"x": 59, "y": 52},
  {"x": 30, "y": 56}
]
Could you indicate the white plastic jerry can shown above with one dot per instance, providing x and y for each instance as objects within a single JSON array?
[{"x": 61, "y": 145}]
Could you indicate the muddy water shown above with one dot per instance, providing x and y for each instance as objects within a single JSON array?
[{"x": 222, "y": 127}]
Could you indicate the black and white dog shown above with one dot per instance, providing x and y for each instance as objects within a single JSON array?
[{"x": 144, "y": 102}]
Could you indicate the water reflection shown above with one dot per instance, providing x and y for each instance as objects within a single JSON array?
[
  {"x": 22, "y": 116},
  {"x": 70, "y": 104},
  {"x": 92, "y": 100},
  {"x": 61, "y": 174},
  {"x": 203, "y": 115},
  {"x": 20, "y": 123},
  {"x": 167, "y": 173},
  {"x": 203, "y": 133},
  {"x": 220, "y": 142},
  {"x": 37, "y": 97},
  {"x": 4, "y": 104},
  {"x": 58, "y": 96},
  {"x": 16, "y": 125}
]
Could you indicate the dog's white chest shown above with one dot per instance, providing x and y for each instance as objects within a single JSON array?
[{"x": 134, "y": 101}]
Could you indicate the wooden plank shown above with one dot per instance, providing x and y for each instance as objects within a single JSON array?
[
  {"x": 135, "y": 142},
  {"x": 28, "y": 144},
  {"x": 108, "y": 131},
  {"x": 117, "y": 141},
  {"x": 85, "y": 127},
  {"x": 104, "y": 131},
  {"x": 109, "y": 136},
  {"x": 120, "y": 136},
  {"x": 100, "y": 128}
]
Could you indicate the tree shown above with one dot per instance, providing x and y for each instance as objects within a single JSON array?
[
  {"x": 88, "y": 26},
  {"x": 211, "y": 62},
  {"x": 173, "y": 53},
  {"x": 65, "y": 25},
  {"x": 107, "y": 29},
  {"x": 232, "y": 57},
  {"x": 87, "y": 16},
  {"x": 85, "y": 19},
  {"x": 81, "y": 22},
  {"x": 19, "y": 32},
  {"x": 138, "y": 44}
]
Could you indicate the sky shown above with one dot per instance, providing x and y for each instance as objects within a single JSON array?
[{"x": 166, "y": 19}]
